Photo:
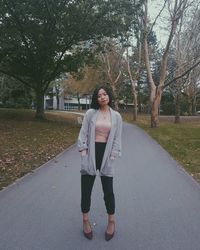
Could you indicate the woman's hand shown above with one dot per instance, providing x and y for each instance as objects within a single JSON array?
[{"x": 83, "y": 152}]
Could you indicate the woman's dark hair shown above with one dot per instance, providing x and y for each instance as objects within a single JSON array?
[{"x": 94, "y": 103}]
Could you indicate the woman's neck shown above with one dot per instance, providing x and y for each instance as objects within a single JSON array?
[{"x": 104, "y": 108}]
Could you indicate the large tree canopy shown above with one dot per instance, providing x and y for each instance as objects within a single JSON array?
[{"x": 41, "y": 39}]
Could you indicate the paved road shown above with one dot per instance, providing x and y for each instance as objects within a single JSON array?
[{"x": 158, "y": 204}]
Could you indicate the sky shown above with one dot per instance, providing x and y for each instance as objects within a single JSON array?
[{"x": 161, "y": 26}]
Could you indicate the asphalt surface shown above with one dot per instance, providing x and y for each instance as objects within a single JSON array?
[{"x": 157, "y": 203}]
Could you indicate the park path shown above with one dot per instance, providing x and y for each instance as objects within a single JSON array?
[{"x": 157, "y": 203}]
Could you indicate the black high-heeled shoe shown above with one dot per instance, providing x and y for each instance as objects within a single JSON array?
[
  {"x": 89, "y": 235},
  {"x": 109, "y": 236}
]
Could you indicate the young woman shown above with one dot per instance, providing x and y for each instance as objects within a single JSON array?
[{"x": 99, "y": 142}]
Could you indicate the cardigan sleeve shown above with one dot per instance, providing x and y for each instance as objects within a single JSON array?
[
  {"x": 116, "y": 147},
  {"x": 83, "y": 134}
]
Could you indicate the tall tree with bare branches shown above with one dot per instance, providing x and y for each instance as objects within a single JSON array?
[
  {"x": 112, "y": 61},
  {"x": 187, "y": 58},
  {"x": 176, "y": 9}
]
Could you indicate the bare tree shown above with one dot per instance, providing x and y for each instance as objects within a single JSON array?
[
  {"x": 191, "y": 51},
  {"x": 177, "y": 95},
  {"x": 134, "y": 77},
  {"x": 176, "y": 10},
  {"x": 112, "y": 57},
  {"x": 186, "y": 72}
]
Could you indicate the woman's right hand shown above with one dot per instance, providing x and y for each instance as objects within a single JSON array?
[{"x": 83, "y": 152}]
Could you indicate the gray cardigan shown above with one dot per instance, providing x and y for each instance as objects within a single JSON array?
[{"x": 86, "y": 140}]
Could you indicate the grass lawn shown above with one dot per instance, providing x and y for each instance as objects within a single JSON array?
[
  {"x": 182, "y": 140},
  {"x": 26, "y": 143}
]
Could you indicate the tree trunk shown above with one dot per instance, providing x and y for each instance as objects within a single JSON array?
[
  {"x": 133, "y": 82},
  {"x": 139, "y": 102},
  {"x": 177, "y": 110},
  {"x": 189, "y": 106},
  {"x": 57, "y": 101},
  {"x": 177, "y": 102},
  {"x": 194, "y": 106},
  {"x": 154, "y": 108},
  {"x": 116, "y": 105},
  {"x": 177, "y": 107},
  {"x": 154, "y": 115},
  {"x": 116, "y": 99},
  {"x": 39, "y": 104},
  {"x": 135, "y": 105},
  {"x": 79, "y": 104}
]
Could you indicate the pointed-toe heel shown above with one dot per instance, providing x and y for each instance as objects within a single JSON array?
[
  {"x": 109, "y": 236},
  {"x": 88, "y": 235}
]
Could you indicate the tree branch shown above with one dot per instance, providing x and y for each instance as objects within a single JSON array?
[
  {"x": 116, "y": 80},
  {"x": 154, "y": 22},
  {"x": 185, "y": 73},
  {"x": 146, "y": 49},
  {"x": 16, "y": 77},
  {"x": 177, "y": 13}
]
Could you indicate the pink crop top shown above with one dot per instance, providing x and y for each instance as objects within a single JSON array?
[{"x": 102, "y": 127}]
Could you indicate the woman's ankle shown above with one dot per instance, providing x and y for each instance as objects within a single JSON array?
[
  {"x": 111, "y": 218},
  {"x": 85, "y": 217}
]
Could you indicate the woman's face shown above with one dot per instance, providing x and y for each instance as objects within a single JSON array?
[{"x": 103, "y": 98}]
